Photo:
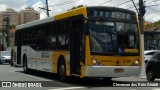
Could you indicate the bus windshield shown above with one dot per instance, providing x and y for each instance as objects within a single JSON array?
[{"x": 113, "y": 37}]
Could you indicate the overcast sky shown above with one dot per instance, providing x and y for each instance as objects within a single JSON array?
[{"x": 59, "y": 6}]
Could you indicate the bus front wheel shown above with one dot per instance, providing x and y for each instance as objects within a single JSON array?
[
  {"x": 11, "y": 63},
  {"x": 12, "y": 58},
  {"x": 62, "y": 71}
]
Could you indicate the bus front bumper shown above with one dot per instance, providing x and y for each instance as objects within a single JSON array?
[{"x": 112, "y": 71}]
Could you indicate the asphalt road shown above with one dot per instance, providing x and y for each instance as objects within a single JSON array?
[{"x": 14, "y": 74}]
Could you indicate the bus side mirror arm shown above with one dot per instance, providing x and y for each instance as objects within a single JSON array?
[
  {"x": 85, "y": 29},
  {"x": 85, "y": 19}
]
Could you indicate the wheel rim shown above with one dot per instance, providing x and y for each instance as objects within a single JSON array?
[
  {"x": 25, "y": 66},
  {"x": 62, "y": 71},
  {"x": 150, "y": 75}
]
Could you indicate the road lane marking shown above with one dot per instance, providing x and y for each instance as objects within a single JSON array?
[
  {"x": 42, "y": 79},
  {"x": 30, "y": 76},
  {"x": 155, "y": 89},
  {"x": 69, "y": 88}
]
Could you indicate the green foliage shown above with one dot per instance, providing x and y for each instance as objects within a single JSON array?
[
  {"x": 79, "y": 6},
  {"x": 152, "y": 26},
  {"x": 76, "y": 7},
  {"x": 12, "y": 26},
  {"x": 2, "y": 30},
  {"x": 73, "y": 8}
]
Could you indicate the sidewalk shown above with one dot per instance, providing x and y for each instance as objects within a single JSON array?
[{"x": 143, "y": 77}]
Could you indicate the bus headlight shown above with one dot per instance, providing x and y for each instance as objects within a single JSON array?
[
  {"x": 96, "y": 62},
  {"x": 135, "y": 63}
]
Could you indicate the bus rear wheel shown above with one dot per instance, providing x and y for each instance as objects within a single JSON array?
[
  {"x": 62, "y": 71},
  {"x": 25, "y": 68}
]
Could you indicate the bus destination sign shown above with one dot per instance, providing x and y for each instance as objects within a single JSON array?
[{"x": 112, "y": 15}]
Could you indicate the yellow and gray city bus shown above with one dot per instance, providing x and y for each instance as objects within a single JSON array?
[{"x": 93, "y": 41}]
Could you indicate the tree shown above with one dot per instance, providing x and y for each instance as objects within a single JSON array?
[
  {"x": 12, "y": 26},
  {"x": 75, "y": 7}
]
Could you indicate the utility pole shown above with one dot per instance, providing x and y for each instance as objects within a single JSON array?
[
  {"x": 141, "y": 14},
  {"x": 141, "y": 24},
  {"x": 46, "y": 9}
]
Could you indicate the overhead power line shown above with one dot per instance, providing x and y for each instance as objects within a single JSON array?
[
  {"x": 123, "y": 3},
  {"x": 59, "y": 4},
  {"x": 43, "y": 2},
  {"x": 20, "y": 5},
  {"x": 154, "y": 11},
  {"x": 151, "y": 1},
  {"x": 153, "y": 5},
  {"x": 131, "y": 6},
  {"x": 64, "y": 3},
  {"x": 46, "y": 9},
  {"x": 135, "y": 6},
  {"x": 105, "y": 2}
]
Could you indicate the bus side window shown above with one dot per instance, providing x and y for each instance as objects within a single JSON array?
[
  {"x": 52, "y": 36},
  {"x": 45, "y": 43},
  {"x": 16, "y": 38},
  {"x": 62, "y": 35}
]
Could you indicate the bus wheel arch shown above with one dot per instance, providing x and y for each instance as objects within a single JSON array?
[{"x": 61, "y": 68}]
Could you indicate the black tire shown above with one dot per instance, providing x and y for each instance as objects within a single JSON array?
[
  {"x": 146, "y": 61},
  {"x": 150, "y": 75},
  {"x": 11, "y": 64},
  {"x": 107, "y": 78},
  {"x": 62, "y": 70},
  {"x": 0, "y": 62},
  {"x": 25, "y": 67}
]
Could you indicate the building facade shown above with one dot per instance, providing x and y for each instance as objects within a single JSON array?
[
  {"x": 28, "y": 15},
  {"x": 13, "y": 17},
  {"x": 151, "y": 40},
  {"x": 17, "y": 18}
]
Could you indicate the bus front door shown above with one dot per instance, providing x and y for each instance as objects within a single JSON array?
[
  {"x": 75, "y": 46},
  {"x": 19, "y": 48}
]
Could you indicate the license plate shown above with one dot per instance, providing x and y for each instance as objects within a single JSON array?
[{"x": 118, "y": 70}]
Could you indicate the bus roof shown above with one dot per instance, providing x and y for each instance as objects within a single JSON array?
[{"x": 33, "y": 23}]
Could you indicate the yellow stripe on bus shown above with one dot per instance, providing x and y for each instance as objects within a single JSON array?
[
  {"x": 131, "y": 50},
  {"x": 71, "y": 13}
]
